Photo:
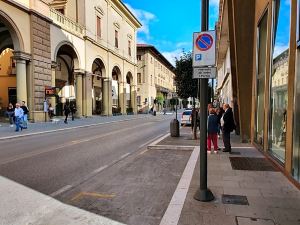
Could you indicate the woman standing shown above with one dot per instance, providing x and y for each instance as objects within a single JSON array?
[{"x": 212, "y": 130}]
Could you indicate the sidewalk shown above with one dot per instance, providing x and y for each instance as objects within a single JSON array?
[
  {"x": 47, "y": 127},
  {"x": 258, "y": 195}
]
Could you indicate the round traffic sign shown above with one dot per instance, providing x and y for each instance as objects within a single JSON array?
[{"x": 204, "y": 42}]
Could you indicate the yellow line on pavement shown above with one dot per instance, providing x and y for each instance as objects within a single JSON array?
[{"x": 92, "y": 194}]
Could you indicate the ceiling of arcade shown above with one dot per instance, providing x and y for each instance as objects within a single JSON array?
[{"x": 5, "y": 38}]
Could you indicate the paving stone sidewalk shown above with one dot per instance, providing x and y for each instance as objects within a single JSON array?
[{"x": 271, "y": 198}]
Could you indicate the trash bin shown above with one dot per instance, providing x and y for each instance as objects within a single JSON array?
[{"x": 174, "y": 128}]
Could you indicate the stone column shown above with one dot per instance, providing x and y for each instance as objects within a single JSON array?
[
  {"x": 107, "y": 97},
  {"x": 133, "y": 96},
  {"x": 78, "y": 92},
  {"x": 88, "y": 95},
  {"x": 53, "y": 75},
  {"x": 21, "y": 80},
  {"x": 122, "y": 97}
]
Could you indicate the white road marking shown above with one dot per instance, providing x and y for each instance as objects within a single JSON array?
[
  {"x": 100, "y": 169},
  {"x": 175, "y": 207},
  {"x": 60, "y": 191},
  {"x": 148, "y": 142},
  {"x": 125, "y": 155}
]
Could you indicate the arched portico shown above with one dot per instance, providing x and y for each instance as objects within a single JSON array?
[
  {"x": 117, "y": 101},
  {"x": 68, "y": 79},
  {"x": 98, "y": 75},
  {"x": 14, "y": 64}
]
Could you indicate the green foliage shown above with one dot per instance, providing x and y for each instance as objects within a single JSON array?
[
  {"x": 160, "y": 99},
  {"x": 173, "y": 101},
  {"x": 186, "y": 85}
]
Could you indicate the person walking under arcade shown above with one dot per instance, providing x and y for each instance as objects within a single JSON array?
[
  {"x": 67, "y": 112},
  {"x": 19, "y": 113},
  {"x": 25, "y": 117}
]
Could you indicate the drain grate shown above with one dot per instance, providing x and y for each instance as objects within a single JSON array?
[
  {"x": 253, "y": 221},
  {"x": 235, "y": 199},
  {"x": 254, "y": 164}
]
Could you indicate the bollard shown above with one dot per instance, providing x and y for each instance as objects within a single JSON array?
[{"x": 174, "y": 128}]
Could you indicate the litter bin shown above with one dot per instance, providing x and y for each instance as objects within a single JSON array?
[{"x": 174, "y": 128}]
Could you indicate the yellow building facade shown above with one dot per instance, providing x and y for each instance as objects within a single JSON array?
[
  {"x": 84, "y": 50},
  {"x": 155, "y": 78}
]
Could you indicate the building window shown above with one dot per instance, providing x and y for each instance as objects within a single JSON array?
[
  {"x": 260, "y": 79},
  {"x": 139, "y": 57},
  {"x": 129, "y": 48},
  {"x": 98, "y": 26},
  {"x": 138, "y": 100},
  {"x": 279, "y": 94},
  {"x": 61, "y": 10},
  {"x": 116, "y": 39},
  {"x": 139, "y": 78},
  {"x": 151, "y": 60}
]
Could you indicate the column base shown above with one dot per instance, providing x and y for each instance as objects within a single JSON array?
[
  {"x": 204, "y": 195},
  {"x": 39, "y": 116}
]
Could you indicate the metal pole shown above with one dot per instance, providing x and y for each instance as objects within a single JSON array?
[{"x": 203, "y": 194}]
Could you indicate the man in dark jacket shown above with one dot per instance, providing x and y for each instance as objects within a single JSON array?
[{"x": 227, "y": 123}]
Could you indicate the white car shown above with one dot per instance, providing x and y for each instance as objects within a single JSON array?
[{"x": 186, "y": 117}]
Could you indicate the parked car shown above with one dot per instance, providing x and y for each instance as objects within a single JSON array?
[{"x": 186, "y": 117}]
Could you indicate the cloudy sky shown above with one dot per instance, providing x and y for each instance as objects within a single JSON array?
[{"x": 169, "y": 25}]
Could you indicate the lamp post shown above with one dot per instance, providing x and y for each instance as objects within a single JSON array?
[{"x": 203, "y": 193}]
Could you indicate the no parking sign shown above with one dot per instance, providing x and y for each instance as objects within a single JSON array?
[{"x": 204, "y": 49}]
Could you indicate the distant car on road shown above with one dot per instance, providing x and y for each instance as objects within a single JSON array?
[{"x": 186, "y": 117}]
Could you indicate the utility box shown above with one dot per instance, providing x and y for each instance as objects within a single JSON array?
[{"x": 174, "y": 128}]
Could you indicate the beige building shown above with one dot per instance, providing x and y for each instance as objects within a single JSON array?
[
  {"x": 85, "y": 49},
  {"x": 155, "y": 78}
]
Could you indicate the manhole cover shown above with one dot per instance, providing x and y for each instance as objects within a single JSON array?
[
  {"x": 253, "y": 221},
  {"x": 254, "y": 164},
  {"x": 235, "y": 199}
]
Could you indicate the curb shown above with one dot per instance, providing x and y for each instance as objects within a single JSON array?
[
  {"x": 68, "y": 128},
  {"x": 171, "y": 147}
]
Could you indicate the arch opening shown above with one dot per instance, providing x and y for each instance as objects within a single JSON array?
[{"x": 116, "y": 79}]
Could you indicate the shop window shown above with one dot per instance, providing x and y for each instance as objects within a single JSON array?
[
  {"x": 260, "y": 79},
  {"x": 296, "y": 131},
  {"x": 279, "y": 92}
]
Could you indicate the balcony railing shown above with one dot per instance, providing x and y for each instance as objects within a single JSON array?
[{"x": 66, "y": 23}]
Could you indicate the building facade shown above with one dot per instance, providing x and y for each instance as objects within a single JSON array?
[
  {"x": 85, "y": 50},
  {"x": 155, "y": 78},
  {"x": 264, "y": 69}
]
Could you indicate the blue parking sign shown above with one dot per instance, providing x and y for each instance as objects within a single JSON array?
[{"x": 198, "y": 57}]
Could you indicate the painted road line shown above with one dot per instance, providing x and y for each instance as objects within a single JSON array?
[
  {"x": 60, "y": 191},
  {"x": 148, "y": 142},
  {"x": 36, "y": 153},
  {"x": 68, "y": 128},
  {"x": 159, "y": 140},
  {"x": 125, "y": 155},
  {"x": 92, "y": 194},
  {"x": 173, "y": 212},
  {"x": 100, "y": 169}
]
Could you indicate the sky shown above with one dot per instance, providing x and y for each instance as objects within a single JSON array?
[{"x": 169, "y": 25}]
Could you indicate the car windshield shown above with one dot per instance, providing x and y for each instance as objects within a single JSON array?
[{"x": 187, "y": 113}]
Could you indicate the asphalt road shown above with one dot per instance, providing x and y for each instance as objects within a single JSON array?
[{"x": 52, "y": 163}]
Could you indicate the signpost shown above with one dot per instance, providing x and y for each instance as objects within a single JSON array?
[{"x": 204, "y": 57}]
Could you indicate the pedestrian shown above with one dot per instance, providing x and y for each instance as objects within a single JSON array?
[
  {"x": 19, "y": 114},
  {"x": 219, "y": 112},
  {"x": 10, "y": 112},
  {"x": 212, "y": 131},
  {"x": 25, "y": 117},
  {"x": 50, "y": 111},
  {"x": 73, "y": 110},
  {"x": 67, "y": 112},
  {"x": 227, "y": 123}
]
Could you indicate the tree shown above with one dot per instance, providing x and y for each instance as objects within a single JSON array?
[{"x": 186, "y": 85}]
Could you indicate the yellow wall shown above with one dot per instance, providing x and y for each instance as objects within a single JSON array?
[{"x": 6, "y": 79}]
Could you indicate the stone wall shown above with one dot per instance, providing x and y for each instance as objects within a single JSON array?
[{"x": 41, "y": 59}]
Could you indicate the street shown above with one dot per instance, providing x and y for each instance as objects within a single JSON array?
[{"x": 50, "y": 162}]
